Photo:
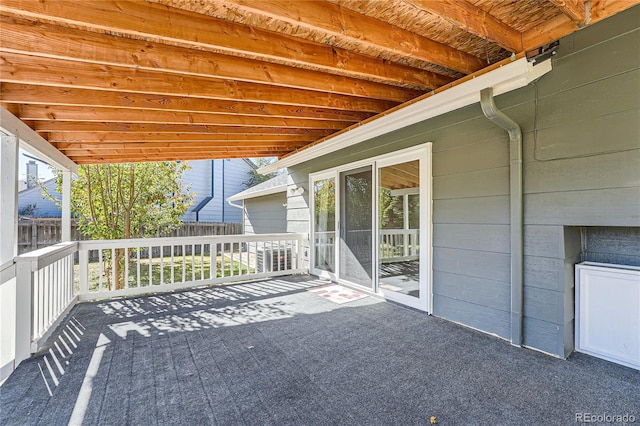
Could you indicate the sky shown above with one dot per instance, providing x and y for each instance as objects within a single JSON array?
[{"x": 44, "y": 173}]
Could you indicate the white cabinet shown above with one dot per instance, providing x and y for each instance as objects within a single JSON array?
[{"x": 608, "y": 312}]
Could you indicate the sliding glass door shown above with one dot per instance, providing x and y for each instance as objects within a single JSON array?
[
  {"x": 356, "y": 227},
  {"x": 372, "y": 225},
  {"x": 399, "y": 269}
]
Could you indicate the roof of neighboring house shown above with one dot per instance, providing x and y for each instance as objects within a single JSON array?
[{"x": 272, "y": 186}]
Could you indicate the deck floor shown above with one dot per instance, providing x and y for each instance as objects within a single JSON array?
[{"x": 273, "y": 353}]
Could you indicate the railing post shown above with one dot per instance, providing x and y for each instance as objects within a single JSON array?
[
  {"x": 24, "y": 310},
  {"x": 83, "y": 263}
]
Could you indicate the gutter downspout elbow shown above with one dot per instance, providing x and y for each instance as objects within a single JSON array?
[{"x": 516, "y": 209}]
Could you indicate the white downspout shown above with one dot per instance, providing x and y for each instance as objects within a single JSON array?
[{"x": 515, "y": 194}]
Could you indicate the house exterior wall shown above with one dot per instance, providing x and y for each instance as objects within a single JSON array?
[
  {"x": 44, "y": 206},
  {"x": 228, "y": 176},
  {"x": 266, "y": 215},
  {"x": 581, "y": 168}
]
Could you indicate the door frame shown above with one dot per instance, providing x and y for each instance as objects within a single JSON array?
[{"x": 423, "y": 154}]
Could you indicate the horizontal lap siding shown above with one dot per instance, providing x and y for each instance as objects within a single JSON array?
[
  {"x": 265, "y": 215},
  {"x": 581, "y": 167}
]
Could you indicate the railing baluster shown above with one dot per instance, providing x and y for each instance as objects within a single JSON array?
[
  {"x": 193, "y": 262},
  {"x": 150, "y": 266},
  {"x": 173, "y": 265},
  {"x": 184, "y": 264},
  {"x": 161, "y": 264},
  {"x": 138, "y": 266}
]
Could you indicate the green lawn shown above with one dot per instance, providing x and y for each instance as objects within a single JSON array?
[{"x": 161, "y": 272}]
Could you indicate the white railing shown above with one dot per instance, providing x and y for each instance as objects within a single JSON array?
[
  {"x": 161, "y": 264},
  {"x": 44, "y": 294},
  {"x": 399, "y": 244},
  {"x": 49, "y": 282}
]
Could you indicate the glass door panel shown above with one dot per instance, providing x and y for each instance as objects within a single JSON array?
[
  {"x": 356, "y": 227},
  {"x": 324, "y": 229},
  {"x": 399, "y": 229}
]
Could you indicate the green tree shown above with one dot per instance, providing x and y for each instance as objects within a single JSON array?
[
  {"x": 255, "y": 177},
  {"x": 114, "y": 201}
]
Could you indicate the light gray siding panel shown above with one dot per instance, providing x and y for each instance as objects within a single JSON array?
[
  {"x": 473, "y": 315},
  {"x": 587, "y": 137},
  {"x": 480, "y": 156},
  {"x": 480, "y": 291},
  {"x": 544, "y": 304},
  {"x": 543, "y": 241},
  {"x": 614, "y": 170},
  {"x": 488, "y": 238},
  {"x": 582, "y": 102},
  {"x": 298, "y": 214},
  {"x": 488, "y": 210},
  {"x": 544, "y": 272},
  {"x": 266, "y": 215},
  {"x": 484, "y": 183},
  {"x": 297, "y": 202},
  {"x": 612, "y": 207},
  {"x": 573, "y": 68},
  {"x": 298, "y": 226},
  {"x": 543, "y": 335},
  {"x": 481, "y": 264}
]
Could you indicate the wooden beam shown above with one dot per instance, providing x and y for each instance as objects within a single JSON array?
[
  {"x": 44, "y": 95},
  {"x": 71, "y": 147},
  {"x": 19, "y": 68},
  {"x": 573, "y": 9},
  {"x": 474, "y": 20},
  {"x": 126, "y": 158},
  {"x": 562, "y": 25},
  {"x": 41, "y": 39},
  {"x": 64, "y": 126},
  {"x": 105, "y": 137},
  {"x": 362, "y": 33},
  {"x": 159, "y": 23},
  {"x": 122, "y": 115}
]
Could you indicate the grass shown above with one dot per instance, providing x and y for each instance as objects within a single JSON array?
[{"x": 159, "y": 270}]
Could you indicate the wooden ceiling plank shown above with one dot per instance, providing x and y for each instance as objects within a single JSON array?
[
  {"x": 17, "y": 68},
  {"x": 126, "y": 158},
  {"x": 343, "y": 24},
  {"x": 474, "y": 20},
  {"x": 176, "y": 145},
  {"x": 106, "y": 137},
  {"x": 159, "y": 23},
  {"x": 63, "y": 126},
  {"x": 573, "y": 9},
  {"x": 117, "y": 115},
  {"x": 46, "y": 95},
  {"x": 53, "y": 41}
]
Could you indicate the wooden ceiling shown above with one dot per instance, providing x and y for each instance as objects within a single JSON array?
[{"x": 128, "y": 81}]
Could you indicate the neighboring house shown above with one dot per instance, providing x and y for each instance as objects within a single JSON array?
[
  {"x": 581, "y": 181},
  {"x": 211, "y": 180},
  {"x": 264, "y": 207}
]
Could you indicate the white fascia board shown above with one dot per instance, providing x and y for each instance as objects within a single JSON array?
[
  {"x": 33, "y": 143},
  {"x": 267, "y": 191},
  {"x": 508, "y": 77}
]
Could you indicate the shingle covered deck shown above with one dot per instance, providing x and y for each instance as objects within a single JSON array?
[{"x": 272, "y": 352}]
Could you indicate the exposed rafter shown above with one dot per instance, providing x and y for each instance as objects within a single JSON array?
[{"x": 132, "y": 80}]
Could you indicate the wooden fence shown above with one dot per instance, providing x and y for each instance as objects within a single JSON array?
[{"x": 34, "y": 234}]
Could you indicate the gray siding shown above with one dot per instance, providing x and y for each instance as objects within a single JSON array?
[
  {"x": 265, "y": 215},
  {"x": 581, "y": 168}
]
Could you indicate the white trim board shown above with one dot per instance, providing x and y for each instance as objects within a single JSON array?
[
  {"x": 33, "y": 143},
  {"x": 508, "y": 77}
]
